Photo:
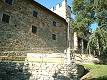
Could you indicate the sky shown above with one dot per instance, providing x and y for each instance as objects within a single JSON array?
[
  {"x": 51, "y": 3},
  {"x": 94, "y": 26}
]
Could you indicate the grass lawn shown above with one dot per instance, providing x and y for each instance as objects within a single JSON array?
[{"x": 96, "y": 72}]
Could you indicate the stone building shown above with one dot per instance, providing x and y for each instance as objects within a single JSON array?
[
  {"x": 26, "y": 28},
  {"x": 76, "y": 43},
  {"x": 29, "y": 26},
  {"x": 26, "y": 25}
]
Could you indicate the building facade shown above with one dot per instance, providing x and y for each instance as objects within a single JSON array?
[{"x": 26, "y": 25}]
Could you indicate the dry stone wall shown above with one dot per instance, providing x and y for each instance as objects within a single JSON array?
[
  {"x": 52, "y": 67},
  {"x": 36, "y": 67}
]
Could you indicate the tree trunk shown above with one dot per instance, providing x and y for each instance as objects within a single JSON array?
[
  {"x": 98, "y": 47},
  {"x": 75, "y": 41}
]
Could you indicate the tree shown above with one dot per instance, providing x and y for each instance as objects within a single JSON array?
[
  {"x": 83, "y": 20},
  {"x": 88, "y": 12},
  {"x": 98, "y": 41}
]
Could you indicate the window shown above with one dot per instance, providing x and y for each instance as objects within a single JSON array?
[
  {"x": 5, "y": 18},
  {"x": 54, "y": 23},
  {"x": 34, "y": 29},
  {"x": 35, "y": 13},
  {"x": 53, "y": 36},
  {"x": 9, "y": 1}
]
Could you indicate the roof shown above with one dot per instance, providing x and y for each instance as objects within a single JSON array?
[{"x": 49, "y": 11}]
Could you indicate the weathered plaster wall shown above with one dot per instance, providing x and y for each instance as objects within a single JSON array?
[{"x": 17, "y": 35}]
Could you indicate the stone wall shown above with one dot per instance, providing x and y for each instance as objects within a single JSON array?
[
  {"x": 17, "y": 39},
  {"x": 14, "y": 71},
  {"x": 53, "y": 67},
  {"x": 39, "y": 67},
  {"x": 35, "y": 71},
  {"x": 17, "y": 34}
]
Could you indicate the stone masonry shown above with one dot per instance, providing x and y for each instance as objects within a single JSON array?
[
  {"x": 39, "y": 67},
  {"x": 17, "y": 34},
  {"x": 42, "y": 51}
]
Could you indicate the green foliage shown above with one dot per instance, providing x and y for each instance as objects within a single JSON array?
[
  {"x": 83, "y": 18},
  {"x": 88, "y": 12},
  {"x": 98, "y": 38},
  {"x": 81, "y": 26}
]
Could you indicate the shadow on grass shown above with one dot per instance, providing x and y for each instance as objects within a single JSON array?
[{"x": 100, "y": 78}]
